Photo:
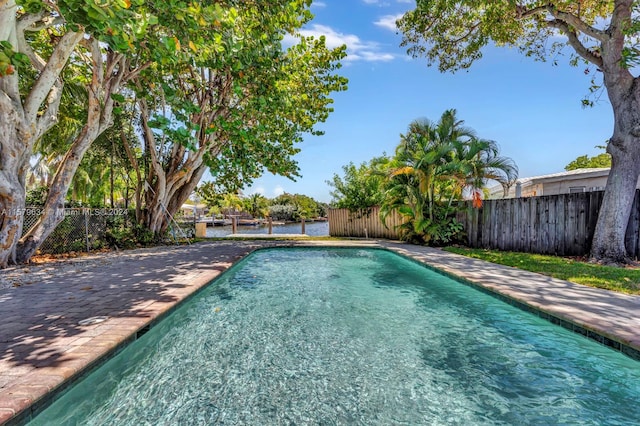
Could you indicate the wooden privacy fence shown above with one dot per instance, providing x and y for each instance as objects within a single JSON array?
[
  {"x": 343, "y": 223},
  {"x": 555, "y": 224}
]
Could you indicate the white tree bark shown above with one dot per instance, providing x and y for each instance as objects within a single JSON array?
[
  {"x": 24, "y": 120},
  {"x": 99, "y": 118}
]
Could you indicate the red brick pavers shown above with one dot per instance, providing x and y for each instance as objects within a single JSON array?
[{"x": 42, "y": 343}]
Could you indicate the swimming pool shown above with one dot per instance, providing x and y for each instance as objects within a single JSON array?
[{"x": 352, "y": 336}]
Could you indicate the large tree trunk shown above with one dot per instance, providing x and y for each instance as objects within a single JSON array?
[
  {"x": 623, "y": 90},
  {"x": 11, "y": 219},
  {"x": 163, "y": 204},
  {"x": 12, "y": 188},
  {"x": 609, "y": 238}
]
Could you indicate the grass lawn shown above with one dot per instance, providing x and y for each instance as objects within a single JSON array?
[{"x": 624, "y": 280}]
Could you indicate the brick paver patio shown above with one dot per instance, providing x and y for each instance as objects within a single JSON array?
[{"x": 44, "y": 346}]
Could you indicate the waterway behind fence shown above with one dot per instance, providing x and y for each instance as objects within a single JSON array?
[{"x": 316, "y": 229}]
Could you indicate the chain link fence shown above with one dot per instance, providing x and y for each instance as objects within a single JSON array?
[{"x": 87, "y": 229}]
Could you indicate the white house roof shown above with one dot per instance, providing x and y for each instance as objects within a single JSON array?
[
  {"x": 577, "y": 173},
  {"x": 587, "y": 172}
]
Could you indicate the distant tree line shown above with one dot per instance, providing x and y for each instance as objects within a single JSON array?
[{"x": 285, "y": 207}]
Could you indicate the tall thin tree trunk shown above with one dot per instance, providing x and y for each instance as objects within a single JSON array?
[
  {"x": 53, "y": 212},
  {"x": 139, "y": 182},
  {"x": 111, "y": 175}
]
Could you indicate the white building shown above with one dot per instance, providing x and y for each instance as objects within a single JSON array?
[{"x": 579, "y": 180}]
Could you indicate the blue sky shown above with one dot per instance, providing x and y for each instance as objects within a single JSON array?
[{"x": 531, "y": 109}]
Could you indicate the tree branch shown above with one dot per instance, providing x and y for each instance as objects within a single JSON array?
[
  {"x": 50, "y": 74},
  {"x": 621, "y": 16},
  {"x": 578, "y": 24},
  {"x": 50, "y": 116},
  {"x": 573, "y": 40},
  {"x": 523, "y": 12},
  {"x": 618, "y": 77},
  {"x": 25, "y": 23}
]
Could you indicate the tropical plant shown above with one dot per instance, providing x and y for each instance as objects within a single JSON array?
[
  {"x": 434, "y": 164},
  {"x": 604, "y": 38},
  {"x": 256, "y": 205},
  {"x": 478, "y": 161},
  {"x": 230, "y": 203}
]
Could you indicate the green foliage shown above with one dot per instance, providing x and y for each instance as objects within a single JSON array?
[
  {"x": 434, "y": 165},
  {"x": 301, "y": 206},
  {"x": 232, "y": 98},
  {"x": 220, "y": 89},
  {"x": 103, "y": 176},
  {"x": 452, "y": 33},
  {"x": 584, "y": 161},
  {"x": 257, "y": 206},
  {"x": 10, "y": 59},
  {"x": 37, "y": 196},
  {"x": 359, "y": 189},
  {"x": 126, "y": 234}
]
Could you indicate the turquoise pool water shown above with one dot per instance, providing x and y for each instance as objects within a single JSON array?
[{"x": 351, "y": 336}]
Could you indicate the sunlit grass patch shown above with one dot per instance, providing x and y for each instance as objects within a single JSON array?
[{"x": 625, "y": 280}]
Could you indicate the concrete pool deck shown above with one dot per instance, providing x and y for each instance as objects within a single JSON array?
[{"x": 44, "y": 345}]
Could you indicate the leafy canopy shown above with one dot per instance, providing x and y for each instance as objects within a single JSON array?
[
  {"x": 452, "y": 33},
  {"x": 584, "y": 161}
]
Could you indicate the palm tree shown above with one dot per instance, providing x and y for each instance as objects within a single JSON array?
[
  {"x": 479, "y": 161},
  {"x": 435, "y": 164},
  {"x": 231, "y": 203},
  {"x": 257, "y": 205}
]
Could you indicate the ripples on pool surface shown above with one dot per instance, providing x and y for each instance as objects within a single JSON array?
[{"x": 350, "y": 336}]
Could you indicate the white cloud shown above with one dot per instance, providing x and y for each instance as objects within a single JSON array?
[
  {"x": 388, "y": 21},
  {"x": 318, "y": 4},
  {"x": 278, "y": 190},
  {"x": 257, "y": 190},
  {"x": 357, "y": 49}
]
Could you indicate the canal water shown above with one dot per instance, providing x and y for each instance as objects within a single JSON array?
[{"x": 316, "y": 229}]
